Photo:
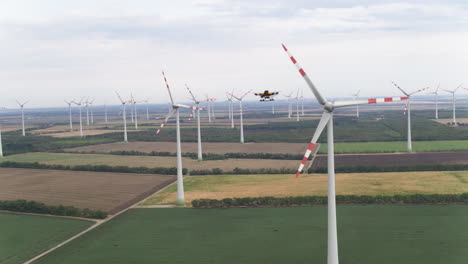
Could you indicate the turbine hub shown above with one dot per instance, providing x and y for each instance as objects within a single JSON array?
[{"x": 329, "y": 107}]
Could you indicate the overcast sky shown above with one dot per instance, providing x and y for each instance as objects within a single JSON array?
[{"x": 53, "y": 50}]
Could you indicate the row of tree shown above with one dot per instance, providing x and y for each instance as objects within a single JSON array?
[
  {"x": 340, "y": 199},
  {"x": 40, "y": 208}
]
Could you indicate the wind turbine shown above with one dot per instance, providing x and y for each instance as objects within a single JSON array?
[
  {"x": 410, "y": 147},
  {"x": 355, "y": 96},
  {"x": 87, "y": 111},
  {"x": 231, "y": 108},
  {"x": 453, "y": 102},
  {"x": 147, "y": 110},
  {"x": 133, "y": 103},
  {"x": 70, "y": 114},
  {"x": 105, "y": 113},
  {"x": 436, "y": 102},
  {"x": 241, "y": 113},
  {"x": 289, "y": 104},
  {"x": 297, "y": 106},
  {"x": 327, "y": 120},
  {"x": 175, "y": 108},
  {"x": 22, "y": 115},
  {"x": 124, "y": 115},
  {"x": 1, "y": 145},
  {"x": 81, "y": 122},
  {"x": 197, "y": 106},
  {"x": 91, "y": 110}
]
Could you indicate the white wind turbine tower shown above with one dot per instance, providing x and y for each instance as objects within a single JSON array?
[
  {"x": 231, "y": 108},
  {"x": 289, "y": 104},
  {"x": 241, "y": 113},
  {"x": 81, "y": 122},
  {"x": 147, "y": 108},
  {"x": 87, "y": 111},
  {"x": 436, "y": 92},
  {"x": 180, "y": 177},
  {"x": 70, "y": 114},
  {"x": 297, "y": 106},
  {"x": 133, "y": 103},
  {"x": 453, "y": 103},
  {"x": 22, "y": 116},
  {"x": 105, "y": 113},
  {"x": 124, "y": 115},
  {"x": 91, "y": 110},
  {"x": 1, "y": 145},
  {"x": 327, "y": 120},
  {"x": 355, "y": 96},
  {"x": 197, "y": 106},
  {"x": 410, "y": 146}
]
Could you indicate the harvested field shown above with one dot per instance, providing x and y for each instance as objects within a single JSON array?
[
  {"x": 449, "y": 120},
  {"x": 389, "y": 183},
  {"x": 148, "y": 161},
  {"x": 110, "y": 192},
  {"x": 395, "y": 159},
  {"x": 208, "y": 147}
]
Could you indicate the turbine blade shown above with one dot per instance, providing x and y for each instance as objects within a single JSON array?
[
  {"x": 190, "y": 91},
  {"x": 242, "y": 97},
  {"x": 167, "y": 86},
  {"x": 399, "y": 88},
  {"x": 317, "y": 94},
  {"x": 323, "y": 122},
  {"x": 118, "y": 95},
  {"x": 418, "y": 91},
  {"x": 344, "y": 103},
  {"x": 189, "y": 107},
  {"x": 165, "y": 121}
]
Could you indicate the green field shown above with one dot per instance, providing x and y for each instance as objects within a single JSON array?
[
  {"x": 397, "y": 146},
  {"x": 367, "y": 234},
  {"x": 24, "y": 236}
]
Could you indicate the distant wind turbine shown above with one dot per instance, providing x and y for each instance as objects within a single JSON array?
[
  {"x": 81, "y": 122},
  {"x": 70, "y": 114},
  {"x": 410, "y": 146},
  {"x": 124, "y": 116},
  {"x": 197, "y": 106},
  {"x": 241, "y": 113},
  {"x": 436, "y": 92},
  {"x": 355, "y": 97},
  {"x": 22, "y": 115},
  {"x": 453, "y": 102}
]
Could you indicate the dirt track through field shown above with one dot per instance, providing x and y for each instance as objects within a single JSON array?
[
  {"x": 110, "y": 192},
  {"x": 208, "y": 147}
]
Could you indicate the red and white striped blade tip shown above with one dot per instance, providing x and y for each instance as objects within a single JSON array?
[{"x": 305, "y": 159}]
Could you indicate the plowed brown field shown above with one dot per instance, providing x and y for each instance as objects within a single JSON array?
[
  {"x": 208, "y": 147},
  {"x": 110, "y": 192}
]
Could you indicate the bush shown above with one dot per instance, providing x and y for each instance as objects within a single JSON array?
[
  {"x": 340, "y": 199},
  {"x": 40, "y": 208}
]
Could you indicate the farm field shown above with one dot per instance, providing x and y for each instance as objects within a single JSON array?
[
  {"x": 289, "y": 148},
  {"x": 388, "y": 183},
  {"x": 149, "y": 161},
  {"x": 460, "y": 157},
  {"x": 384, "y": 234},
  {"x": 24, "y": 236},
  {"x": 110, "y": 192},
  {"x": 208, "y": 147}
]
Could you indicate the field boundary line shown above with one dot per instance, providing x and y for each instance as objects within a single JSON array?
[
  {"x": 97, "y": 224},
  {"x": 51, "y": 215}
]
